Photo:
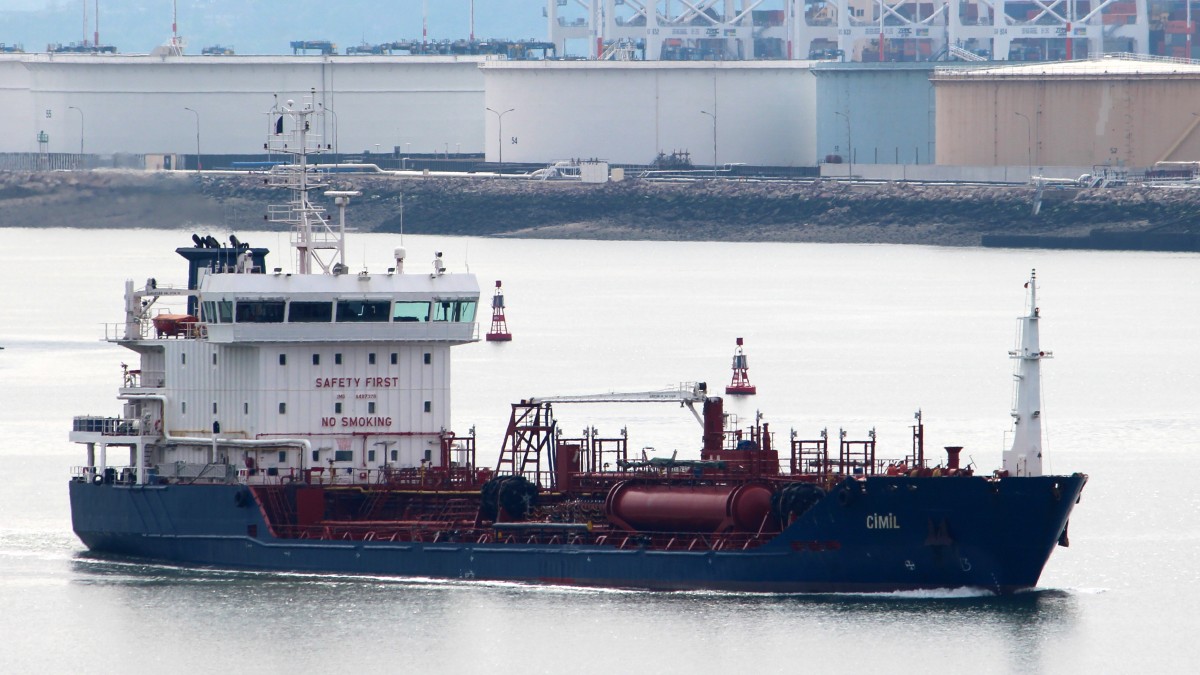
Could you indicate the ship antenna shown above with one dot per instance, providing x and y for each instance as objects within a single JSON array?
[
  {"x": 315, "y": 240},
  {"x": 1024, "y": 458}
]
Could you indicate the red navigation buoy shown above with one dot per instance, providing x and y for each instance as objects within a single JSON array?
[
  {"x": 740, "y": 386},
  {"x": 499, "y": 331}
]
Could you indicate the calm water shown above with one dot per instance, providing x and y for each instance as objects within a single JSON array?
[{"x": 851, "y": 337}]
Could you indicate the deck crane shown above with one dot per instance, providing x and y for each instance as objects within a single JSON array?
[
  {"x": 531, "y": 444},
  {"x": 687, "y": 394}
]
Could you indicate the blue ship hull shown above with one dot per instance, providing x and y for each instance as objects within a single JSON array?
[{"x": 884, "y": 534}]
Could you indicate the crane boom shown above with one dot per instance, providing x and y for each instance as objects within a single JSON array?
[{"x": 686, "y": 394}]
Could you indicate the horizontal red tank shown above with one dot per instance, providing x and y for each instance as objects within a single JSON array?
[{"x": 688, "y": 508}]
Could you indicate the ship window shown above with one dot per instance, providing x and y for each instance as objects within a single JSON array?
[
  {"x": 428, "y": 406},
  {"x": 454, "y": 310},
  {"x": 214, "y": 358},
  {"x": 337, "y": 407},
  {"x": 466, "y": 311},
  {"x": 371, "y": 358},
  {"x": 410, "y": 311},
  {"x": 371, "y": 407},
  {"x": 370, "y": 455},
  {"x": 316, "y": 455},
  {"x": 246, "y": 408},
  {"x": 282, "y": 456},
  {"x": 343, "y": 455},
  {"x": 316, "y": 359},
  {"x": 395, "y": 358},
  {"x": 282, "y": 408},
  {"x": 214, "y": 407},
  {"x": 395, "y": 455},
  {"x": 260, "y": 311},
  {"x": 362, "y": 310},
  {"x": 428, "y": 358},
  {"x": 283, "y": 359},
  {"x": 183, "y": 408},
  {"x": 208, "y": 311},
  {"x": 225, "y": 311},
  {"x": 310, "y": 312},
  {"x": 337, "y": 359}
]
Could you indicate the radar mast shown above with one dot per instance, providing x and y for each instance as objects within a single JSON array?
[{"x": 316, "y": 242}]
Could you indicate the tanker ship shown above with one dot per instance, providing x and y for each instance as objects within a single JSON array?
[{"x": 301, "y": 421}]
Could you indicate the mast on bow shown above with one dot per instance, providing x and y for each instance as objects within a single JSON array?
[{"x": 1024, "y": 458}]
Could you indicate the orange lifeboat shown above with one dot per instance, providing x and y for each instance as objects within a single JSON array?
[{"x": 173, "y": 325}]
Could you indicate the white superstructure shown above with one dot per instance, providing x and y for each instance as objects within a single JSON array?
[{"x": 272, "y": 373}]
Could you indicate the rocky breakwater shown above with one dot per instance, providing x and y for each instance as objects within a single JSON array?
[{"x": 725, "y": 210}]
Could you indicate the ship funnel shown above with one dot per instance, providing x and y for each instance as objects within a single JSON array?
[{"x": 952, "y": 452}]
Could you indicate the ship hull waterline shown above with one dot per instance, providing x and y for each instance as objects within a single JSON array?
[{"x": 892, "y": 534}]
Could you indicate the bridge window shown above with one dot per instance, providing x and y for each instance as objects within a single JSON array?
[
  {"x": 260, "y": 311},
  {"x": 362, "y": 310},
  {"x": 310, "y": 312},
  {"x": 454, "y": 310},
  {"x": 410, "y": 311},
  {"x": 225, "y": 311}
]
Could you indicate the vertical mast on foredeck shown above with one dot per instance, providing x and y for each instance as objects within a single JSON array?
[
  {"x": 1024, "y": 458},
  {"x": 316, "y": 242}
]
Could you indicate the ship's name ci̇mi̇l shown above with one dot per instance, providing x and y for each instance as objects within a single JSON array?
[{"x": 878, "y": 521}]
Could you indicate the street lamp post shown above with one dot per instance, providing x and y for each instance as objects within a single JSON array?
[
  {"x": 714, "y": 119},
  {"x": 1028, "y": 144},
  {"x": 849, "y": 145},
  {"x": 198, "y": 167},
  {"x": 500, "y": 130},
  {"x": 80, "y": 111}
]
